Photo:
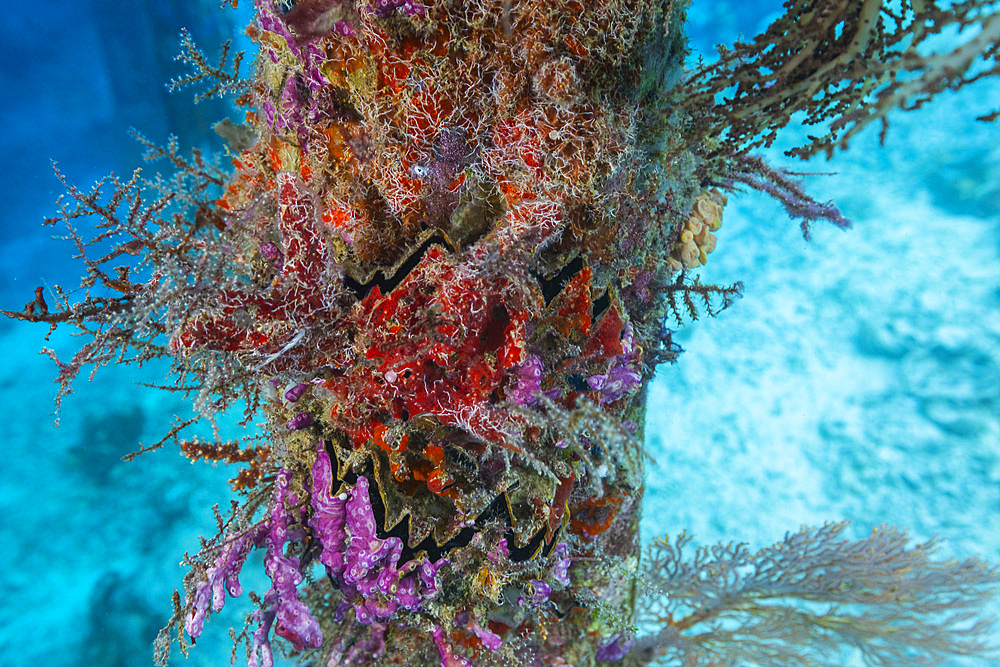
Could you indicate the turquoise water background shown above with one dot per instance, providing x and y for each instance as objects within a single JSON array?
[{"x": 858, "y": 379}]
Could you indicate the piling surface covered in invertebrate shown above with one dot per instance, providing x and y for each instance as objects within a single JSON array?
[{"x": 450, "y": 236}]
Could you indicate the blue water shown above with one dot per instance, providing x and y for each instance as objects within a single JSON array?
[{"x": 858, "y": 378}]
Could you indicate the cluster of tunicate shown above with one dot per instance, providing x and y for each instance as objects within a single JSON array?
[
  {"x": 366, "y": 567},
  {"x": 623, "y": 376},
  {"x": 697, "y": 240},
  {"x": 385, "y": 8},
  {"x": 527, "y": 381}
]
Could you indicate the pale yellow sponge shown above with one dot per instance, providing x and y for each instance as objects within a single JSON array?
[{"x": 697, "y": 239}]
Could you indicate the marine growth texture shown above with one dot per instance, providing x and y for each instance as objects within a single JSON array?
[{"x": 455, "y": 233}]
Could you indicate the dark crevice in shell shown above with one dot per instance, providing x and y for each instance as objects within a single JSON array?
[
  {"x": 497, "y": 511},
  {"x": 387, "y": 284},
  {"x": 551, "y": 287}
]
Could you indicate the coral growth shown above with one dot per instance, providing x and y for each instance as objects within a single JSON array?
[{"x": 435, "y": 306}]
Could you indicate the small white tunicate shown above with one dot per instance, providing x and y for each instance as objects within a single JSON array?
[
  {"x": 268, "y": 390},
  {"x": 322, "y": 393},
  {"x": 390, "y": 376}
]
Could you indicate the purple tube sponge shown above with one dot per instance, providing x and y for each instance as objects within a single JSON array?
[
  {"x": 261, "y": 645},
  {"x": 329, "y": 515},
  {"x": 490, "y": 639},
  {"x": 368, "y": 649},
  {"x": 220, "y": 578},
  {"x": 297, "y": 625},
  {"x": 365, "y": 566},
  {"x": 371, "y": 568},
  {"x": 448, "y": 657},
  {"x": 283, "y": 609},
  {"x": 428, "y": 576}
]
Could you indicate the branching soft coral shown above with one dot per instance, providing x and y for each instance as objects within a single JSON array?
[
  {"x": 842, "y": 62},
  {"x": 803, "y": 600}
]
